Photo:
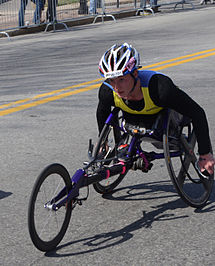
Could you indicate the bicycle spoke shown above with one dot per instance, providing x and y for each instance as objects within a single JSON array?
[{"x": 51, "y": 219}]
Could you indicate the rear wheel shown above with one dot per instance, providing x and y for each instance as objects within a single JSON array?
[
  {"x": 46, "y": 226},
  {"x": 111, "y": 143},
  {"x": 194, "y": 189}
]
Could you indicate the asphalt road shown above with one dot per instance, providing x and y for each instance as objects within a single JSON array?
[{"x": 142, "y": 223}]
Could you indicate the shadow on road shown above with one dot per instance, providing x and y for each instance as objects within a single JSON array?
[
  {"x": 136, "y": 192},
  {"x": 113, "y": 238},
  {"x": 146, "y": 191},
  {"x": 4, "y": 194}
]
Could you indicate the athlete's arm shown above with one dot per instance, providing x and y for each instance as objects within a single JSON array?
[
  {"x": 106, "y": 101},
  {"x": 164, "y": 93}
]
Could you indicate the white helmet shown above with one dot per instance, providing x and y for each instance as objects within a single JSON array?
[{"x": 119, "y": 60}]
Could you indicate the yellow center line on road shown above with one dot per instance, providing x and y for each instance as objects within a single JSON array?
[
  {"x": 178, "y": 58},
  {"x": 60, "y": 93},
  {"x": 183, "y": 61},
  {"x": 14, "y": 103},
  {"x": 46, "y": 100},
  {"x": 48, "y": 94}
]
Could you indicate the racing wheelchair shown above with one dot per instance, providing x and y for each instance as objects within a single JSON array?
[{"x": 118, "y": 150}]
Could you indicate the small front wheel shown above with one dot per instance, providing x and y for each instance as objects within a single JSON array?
[{"x": 46, "y": 226}]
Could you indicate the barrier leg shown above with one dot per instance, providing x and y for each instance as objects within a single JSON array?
[
  {"x": 53, "y": 16},
  {"x": 5, "y": 33},
  {"x": 103, "y": 14},
  {"x": 183, "y": 2},
  {"x": 206, "y": 1},
  {"x": 145, "y": 7}
]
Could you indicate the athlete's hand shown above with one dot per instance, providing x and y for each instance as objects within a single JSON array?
[{"x": 206, "y": 162}]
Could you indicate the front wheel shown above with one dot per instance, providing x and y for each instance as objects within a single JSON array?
[
  {"x": 108, "y": 146},
  {"x": 46, "y": 226}
]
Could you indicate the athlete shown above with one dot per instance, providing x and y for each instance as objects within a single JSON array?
[{"x": 142, "y": 94}]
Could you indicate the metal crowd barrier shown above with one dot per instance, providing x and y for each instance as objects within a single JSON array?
[
  {"x": 153, "y": 5},
  {"x": 16, "y": 14}
]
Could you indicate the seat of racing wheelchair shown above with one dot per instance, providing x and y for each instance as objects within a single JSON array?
[{"x": 153, "y": 132}]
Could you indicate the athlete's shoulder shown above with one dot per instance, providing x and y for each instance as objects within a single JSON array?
[
  {"x": 106, "y": 93},
  {"x": 146, "y": 75}
]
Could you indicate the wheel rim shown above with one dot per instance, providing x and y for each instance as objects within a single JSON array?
[
  {"x": 46, "y": 226},
  {"x": 194, "y": 190}
]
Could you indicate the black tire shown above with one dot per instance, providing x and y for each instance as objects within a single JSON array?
[
  {"x": 113, "y": 138},
  {"x": 194, "y": 190},
  {"x": 46, "y": 238}
]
